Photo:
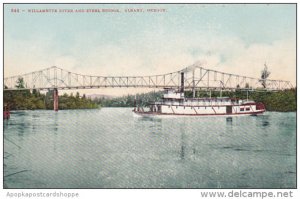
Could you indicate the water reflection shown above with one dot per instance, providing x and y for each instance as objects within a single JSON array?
[
  {"x": 229, "y": 120},
  {"x": 182, "y": 152},
  {"x": 154, "y": 124},
  {"x": 182, "y": 142},
  {"x": 5, "y": 124},
  {"x": 149, "y": 119},
  {"x": 55, "y": 124},
  {"x": 19, "y": 113},
  {"x": 265, "y": 123},
  {"x": 265, "y": 120},
  {"x": 22, "y": 127}
]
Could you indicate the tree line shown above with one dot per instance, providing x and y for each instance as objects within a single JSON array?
[
  {"x": 281, "y": 101},
  {"x": 141, "y": 99},
  {"x": 34, "y": 99}
]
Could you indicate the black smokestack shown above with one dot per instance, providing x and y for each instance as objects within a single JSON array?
[{"x": 182, "y": 82}]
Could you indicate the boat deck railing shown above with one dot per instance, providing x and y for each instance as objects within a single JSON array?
[{"x": 203, "y": 103}]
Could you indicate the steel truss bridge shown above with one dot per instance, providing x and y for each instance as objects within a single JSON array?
[{"x": 195, "y": 78}]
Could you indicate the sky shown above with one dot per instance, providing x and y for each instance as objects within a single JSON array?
[{"x": 233, "y": 38}]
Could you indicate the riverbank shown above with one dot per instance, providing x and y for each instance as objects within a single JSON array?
[{"x": 281, "y": 101}]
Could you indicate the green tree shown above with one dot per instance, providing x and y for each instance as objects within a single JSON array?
[
  {"x": 77, "y": 95},
  {"x": 20, "y": 83},
  {"x": 247, "y": 85},
  {"x": 264, "y": 75}
]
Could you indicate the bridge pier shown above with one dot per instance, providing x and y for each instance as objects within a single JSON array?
[{"x": 55, "y": 99}]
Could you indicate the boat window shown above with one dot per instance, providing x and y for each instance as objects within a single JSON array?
[
  {"x": 242, "y": 109},
  {"x": 248, "y": 109}
]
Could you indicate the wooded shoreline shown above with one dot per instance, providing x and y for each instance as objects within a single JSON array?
[{"x": 281, "y": 101}]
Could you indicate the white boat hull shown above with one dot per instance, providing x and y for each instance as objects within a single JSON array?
[{"x": 156, "y": 114}]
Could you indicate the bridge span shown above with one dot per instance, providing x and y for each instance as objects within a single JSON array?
[{"x": 195, "y": 78}]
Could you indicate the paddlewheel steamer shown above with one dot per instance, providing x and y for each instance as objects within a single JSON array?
[{"x": 174, "y": 103}]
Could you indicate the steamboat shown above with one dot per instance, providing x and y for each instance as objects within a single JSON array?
[{"x": 174, "y": 103}]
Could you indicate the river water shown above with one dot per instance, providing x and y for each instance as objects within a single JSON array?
[{"x": 110, "y": 148}]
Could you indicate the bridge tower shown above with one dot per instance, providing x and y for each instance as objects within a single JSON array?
[{"x": 55, "y": 99}]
